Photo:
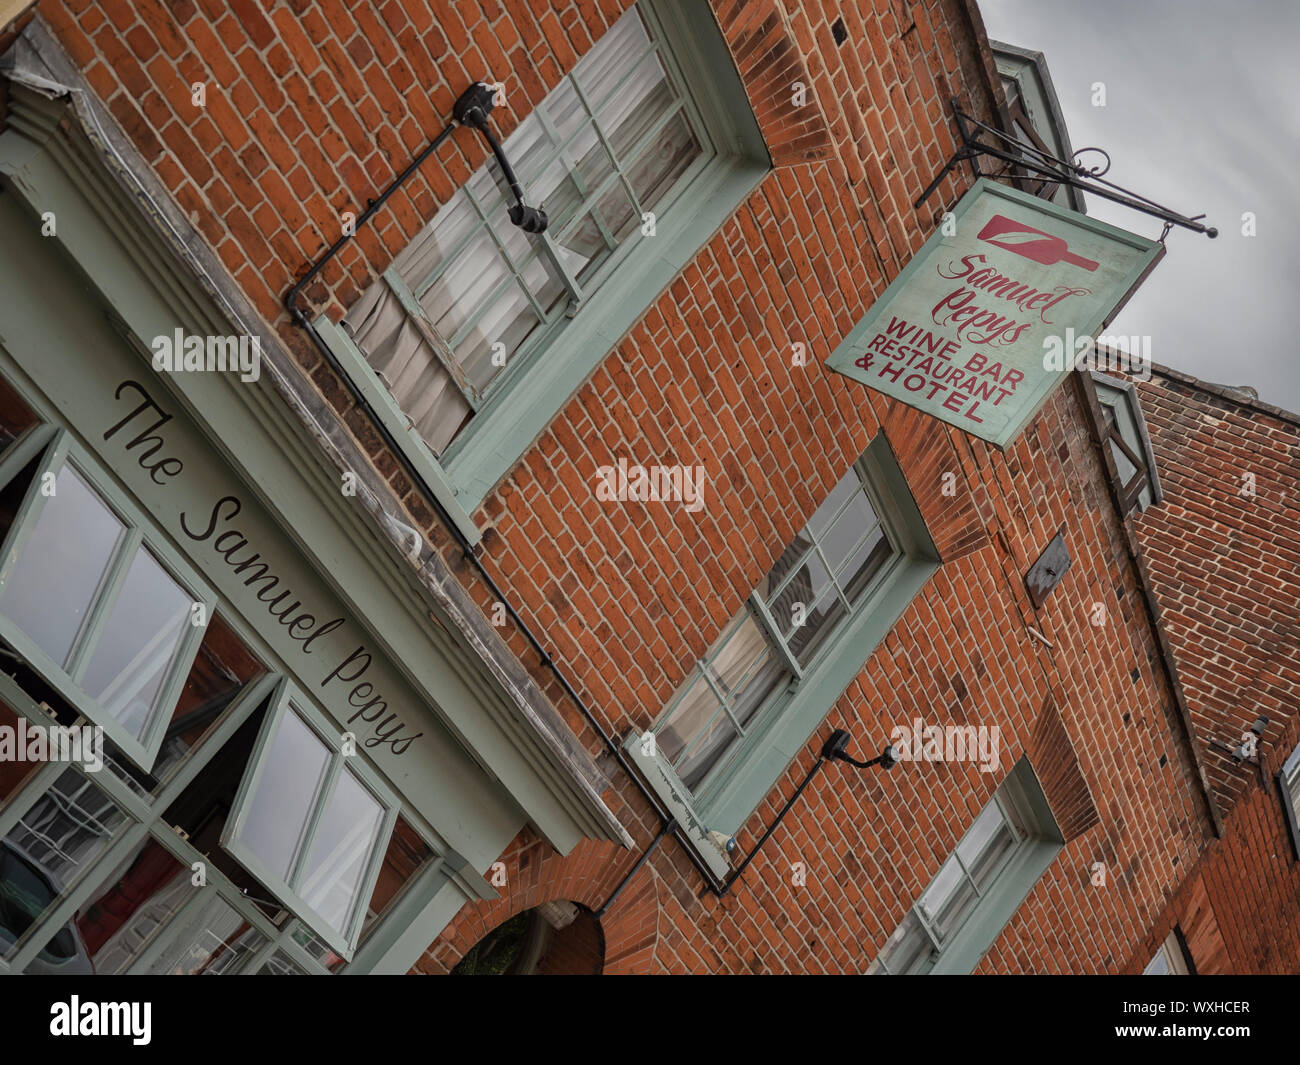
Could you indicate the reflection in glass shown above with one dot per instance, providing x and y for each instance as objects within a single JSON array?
[
  {"x": 344, "y": 839},
  {"x": 209, "y": 938},
  {"x": 144, "y": 629},
  {"x": 60, "y": 566},
  {"x": 68, "y": 827},
  {"x": 287, "y": 786},
  {"x": 136, "y": 900}
]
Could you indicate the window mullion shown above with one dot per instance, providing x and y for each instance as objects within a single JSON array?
[
  {"x": 332, "y": 774},
  {"x": 773, "y": 634},
  {"x": 106, "y": 596},
  {"x": 586, "y": 196},
  {"x": 830, "y": 576},
  {"x": 925, "y": 927},
  {"x": 511, "y": 265},
  {"x": 442, "y": 350},
  {"x": 790, "y": 573}
]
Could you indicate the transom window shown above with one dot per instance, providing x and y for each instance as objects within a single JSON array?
[
  {"x": 775, "y": 640},
  {"x": 607, "y": 149}
]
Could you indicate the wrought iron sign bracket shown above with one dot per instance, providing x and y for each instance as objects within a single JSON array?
[{"x": 1028, "y": 162}]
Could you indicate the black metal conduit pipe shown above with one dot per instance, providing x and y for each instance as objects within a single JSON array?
[{"x": 668, "y": 824}]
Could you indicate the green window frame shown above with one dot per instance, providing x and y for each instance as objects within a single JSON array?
[
  {"x": 1288, "y": 784},
  {"x": 779, "y": 715},
  {"x": 1172, "y": 959},
  {"x": 483, "y": 427},
  {"x": 483, "y": 200},
  {"x": 56, "y": 453},
  {"x": 979, "y": 886},
  {"x": 340, "y": 769}
]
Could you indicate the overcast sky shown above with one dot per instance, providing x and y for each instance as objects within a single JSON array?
[{"x": 1202, "y": 115}]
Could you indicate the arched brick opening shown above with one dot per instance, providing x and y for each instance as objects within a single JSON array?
[{"x": 536, "y": 877}]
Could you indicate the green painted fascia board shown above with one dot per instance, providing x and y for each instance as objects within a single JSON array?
[{"x": 41, "y": 182}]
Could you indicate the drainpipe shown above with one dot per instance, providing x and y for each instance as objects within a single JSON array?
[{"x": 668, "y": 824}]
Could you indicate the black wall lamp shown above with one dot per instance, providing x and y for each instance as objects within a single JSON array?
[
  {"x": 835, "y": 749},
  {"x": 472, "y": 109}
]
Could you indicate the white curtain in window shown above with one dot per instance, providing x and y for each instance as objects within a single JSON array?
[{"x": 395, "y": 348}]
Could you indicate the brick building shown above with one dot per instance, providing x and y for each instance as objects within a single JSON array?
[
  {"x": 1223, "y": 556},
  {"x": 444, "y": 613}
]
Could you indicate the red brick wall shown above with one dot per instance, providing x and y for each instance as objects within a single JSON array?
[
  {"x": 1226, "y": 569},
  {"x": 313, "y": 107},
  {"x": 1226, "y": 565}
]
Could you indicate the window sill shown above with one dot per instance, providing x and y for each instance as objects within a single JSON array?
[{"x": 663, "y": 781}]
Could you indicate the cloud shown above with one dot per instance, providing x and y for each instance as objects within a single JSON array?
[{"x": 1200, "y": 117}]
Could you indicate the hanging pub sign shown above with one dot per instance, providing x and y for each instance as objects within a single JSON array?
[{"x": 991, "y": 314}]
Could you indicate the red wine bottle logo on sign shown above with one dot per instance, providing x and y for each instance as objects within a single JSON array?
[{"x": 1030, "y": 243}]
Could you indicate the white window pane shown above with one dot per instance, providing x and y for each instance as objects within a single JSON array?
[
  {"x": 846, "y": 531},
  {"x": 429, "y": 250},
  {"x": 906, "y": 950},
  {"x": 849, "y": 485},
  {"x": 692, "y": 711},
  {"x": 987, "y": 843},
  {"x": 716, "y": 741},
  {"x": 864, "y": 563},
  {"x": 821, "y": 620},
  {"x": 341, "y": 847},
  {"x": 454, "y": 298},
  {"x": 644, "y": 98},
  {"x": 144, "y": 628},
  {"x": 946, "y": 886},
  {"x": 599, "y": 70},
  {"x": 564, "y": 111},
  {"x": 663, "y": 161},
  {"x": 287, "y": 787},
  {"x": 810, "y": 583},
  {"x": 747, "y": 670},
  {"x": 58, "y": 572}
]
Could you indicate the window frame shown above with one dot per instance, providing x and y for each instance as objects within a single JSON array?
[
  {"x": 54, "y": 448},
  {"x": 552, "y": 326},
  {"x": 1038, "y": 841},
  {"x": 730, "y": 793},
  {"x": 1288, "y": 786},
  {"x": 287, "y": 699},
  {"x": 523, "y": 404},
  {"x": 726, "y": 767}
]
